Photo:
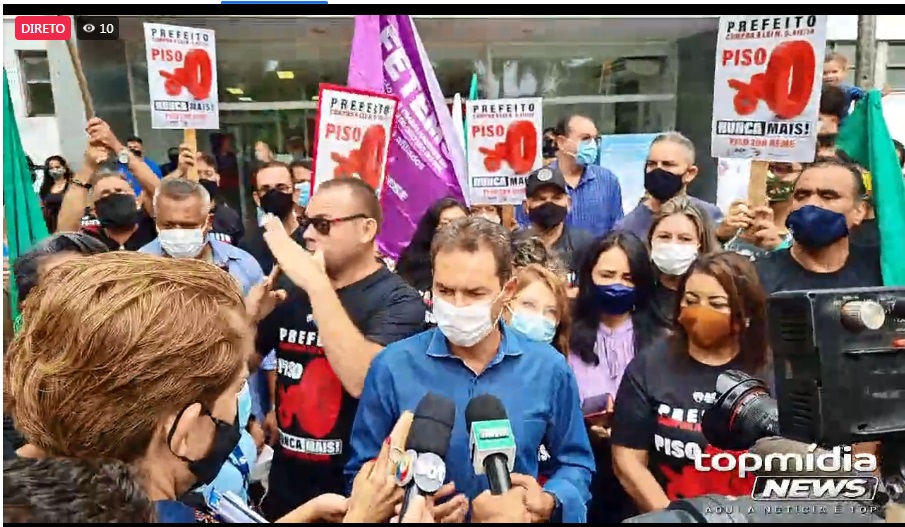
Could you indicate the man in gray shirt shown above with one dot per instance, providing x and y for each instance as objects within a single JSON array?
[{"x": 669, "y": 170}]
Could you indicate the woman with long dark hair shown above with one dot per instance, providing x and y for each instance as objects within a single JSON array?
[
  {"x": 414, "y": 264},
  {"x": 720, "y": 325},
  {"x": 56, "y": 180},
  {"x": 611, "y": 321}
]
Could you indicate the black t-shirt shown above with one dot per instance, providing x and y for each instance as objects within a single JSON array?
[
  {"x": 313, "y": 410},
  {"x": 255, "y": 245},
  {"x": 778, "y": 271},
  {"x": 659, "y": 406},
  {"x": 866, "y": 235},
  {"x": 663, "y": 306},
  {"x": 227, "y": 225},
  {"x": 571, "y": 247},
  {"x": 143, "y": 235}
]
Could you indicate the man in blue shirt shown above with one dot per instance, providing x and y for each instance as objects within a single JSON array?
[
  {"x": 668, "y": 171},
  {"x": 137, "y": 147},
  {"x": 594, "y": 191},
  {"x": 471, "y": 353}
]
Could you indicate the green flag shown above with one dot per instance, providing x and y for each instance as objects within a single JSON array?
[
  {"x": 865, "y": 138},
  {"x": 24, "y": 222},
  {"x": 472, "y": 96}
]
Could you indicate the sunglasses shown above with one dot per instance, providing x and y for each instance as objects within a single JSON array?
[{"x": 323, "y": 225}]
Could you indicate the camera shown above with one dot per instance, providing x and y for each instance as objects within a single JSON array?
[{"x": 839, "y": 376}]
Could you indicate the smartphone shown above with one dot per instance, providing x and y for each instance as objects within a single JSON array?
[
  {"x": 599, "y": 419},
  {"x": 595, "y": 404}
]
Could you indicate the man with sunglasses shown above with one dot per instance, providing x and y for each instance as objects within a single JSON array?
[
  {"x": 343, "y": 306},
  {"x": 275, "y": 193}
]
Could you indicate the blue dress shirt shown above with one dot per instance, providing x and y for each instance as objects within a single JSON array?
[
  {"x": 532, "y": 380},
  {"x": 596, "y": 202}
]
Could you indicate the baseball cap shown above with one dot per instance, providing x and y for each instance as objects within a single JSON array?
[{"x": 544, "y": 176}]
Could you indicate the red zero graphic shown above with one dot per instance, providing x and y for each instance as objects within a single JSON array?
[
  {"x": 196, "y": 75},
  {"x": 519, "y": 150},
  {"x": 785, "y": 86},
  {"x": 367, "y": 160}
]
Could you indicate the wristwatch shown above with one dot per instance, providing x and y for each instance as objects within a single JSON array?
[
  {"x": 124, "y": 156},
  {"x": 86, "y": 186}
]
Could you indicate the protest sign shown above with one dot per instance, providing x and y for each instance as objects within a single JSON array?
[
  {"x": 767, "y": 86},
  {"x": 504, "y": 146},
  {"x": 182, "y": 77},
  {"x": 354, "y": 128},
  {"x": 423, "y": 165}
]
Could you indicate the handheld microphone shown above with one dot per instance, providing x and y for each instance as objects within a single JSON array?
[
  {"x": 422, "y": 469},
  {"x": 492, "y": 443}
]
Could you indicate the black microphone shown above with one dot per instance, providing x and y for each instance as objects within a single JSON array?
[
  {"x": 422, "y": 469},
  {"x": 492, "y": 444}
]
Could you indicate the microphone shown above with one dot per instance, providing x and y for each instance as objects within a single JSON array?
[
  {"x": 491, "y": 441},
  {"x": 421, "y": 470}
]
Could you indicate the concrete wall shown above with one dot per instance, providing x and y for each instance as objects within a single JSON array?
[{"x": 694, "y": 106}]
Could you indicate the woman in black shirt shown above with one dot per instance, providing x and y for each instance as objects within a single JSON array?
[
  {"x": 414, "y": 264},
  {"x": 56, "y": 180},
  {"x": 720, "y": 326}
]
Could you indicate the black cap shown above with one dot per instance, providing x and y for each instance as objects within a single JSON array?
[
  {"x": 484, "y": 408},
  {"x": 544, "y": 176},
  {"x": 432, "y": 425}
]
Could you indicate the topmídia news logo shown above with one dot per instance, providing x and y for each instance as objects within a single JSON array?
[{"x": 795, "y": 488}]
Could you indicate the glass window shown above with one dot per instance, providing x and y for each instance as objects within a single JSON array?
[
  {"x": 896, "y": 54},
  {"x": 618, "y": 118},
  {"x": 36, "y": 79},
  {"x": 895, "y": 78},
  {"x": 847, "y": 50},
  {"x": 568, "y": 70},
  {"x": 454, "y": 66}
]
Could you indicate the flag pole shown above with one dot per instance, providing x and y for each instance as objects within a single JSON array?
[{"x": 80, "y": 79}]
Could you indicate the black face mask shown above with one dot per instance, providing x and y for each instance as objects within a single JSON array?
[
  {"x": 548, "y": 215},
  {"x": 277, "y": 203},
  {"x": 210, "y": 186},
  {"x": 662, "y": 184},
  {"x": 136, "y": 152},
  {"x": 226, "y": 438},
  {"x": 116, "y": 211},
  {"x": 173, "y": 156}
]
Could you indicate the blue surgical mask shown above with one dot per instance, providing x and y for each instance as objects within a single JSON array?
[
  {"x": 304, "y": 193},
  {"x": 244, "y": 402},
  {"x": 815, "y": 227},
  {"x": 615, "y": 299},
  {"x": 587, "y": 153},
  {"x": 534, "y": 326}
]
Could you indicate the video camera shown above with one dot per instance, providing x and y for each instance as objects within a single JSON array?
[{"x": 839, "y": 366}]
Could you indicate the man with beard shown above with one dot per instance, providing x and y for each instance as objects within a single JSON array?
[
  {"x": 547, "y": 204},
  {"x": 274, "y": 193}
]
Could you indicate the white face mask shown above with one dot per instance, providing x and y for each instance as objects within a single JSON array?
[
  {"x": 673, "y": 258},
  {"x": 182, "y": 243},
  {"x": 492, "y": 217},
  {"x": 464, "y": 326}
]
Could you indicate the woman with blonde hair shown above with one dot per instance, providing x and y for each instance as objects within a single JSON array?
[
  {"x": 540, "y": 307},
  {"x": 679, "y": 234}
]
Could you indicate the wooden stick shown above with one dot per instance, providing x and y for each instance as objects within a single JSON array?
[
  {"x": 80, "y": 78},
  {"x": 191, "y": 140},
  {"x": 508, "y": 216},
  {"x": 757, "y": 184}
]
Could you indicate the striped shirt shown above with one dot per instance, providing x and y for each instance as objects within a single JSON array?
[{"x": 596, "y": 202}]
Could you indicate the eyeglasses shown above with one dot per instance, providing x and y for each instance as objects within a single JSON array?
[{"x": 323, "y": 225}]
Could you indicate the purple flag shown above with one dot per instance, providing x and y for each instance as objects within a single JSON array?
[{"x": 422, "y": 167}]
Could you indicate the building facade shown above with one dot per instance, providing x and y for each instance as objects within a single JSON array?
[{"x": 632, "y": 75}]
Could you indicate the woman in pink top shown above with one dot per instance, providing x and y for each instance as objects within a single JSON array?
[{"x": 610, "y": 324}]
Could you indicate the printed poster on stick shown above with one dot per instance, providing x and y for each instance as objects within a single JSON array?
[
  {"x": 767, "y": 83},
  {"x": 354, "y": 128},
  {"x": 182, "y": 77},
  {"x": 504, "y": 146}
]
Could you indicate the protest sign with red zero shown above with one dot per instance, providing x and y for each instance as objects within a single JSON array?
[
  {"x": 504, "y": 146},
  {"x": 182, "y": 77},
  {"x": 354, "y": 129},
  {"x": 767, "y": 84}
]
